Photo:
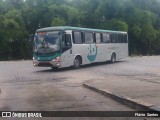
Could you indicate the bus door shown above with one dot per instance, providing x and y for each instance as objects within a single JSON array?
[
  {"x": 114, "y": 45},
  {"x": 66, "y": 50}
]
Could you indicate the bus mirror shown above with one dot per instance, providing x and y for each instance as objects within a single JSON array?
[{"x": 31, "y": 37}]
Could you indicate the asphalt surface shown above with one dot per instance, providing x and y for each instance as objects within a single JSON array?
[{"x": 25, "y": 88}]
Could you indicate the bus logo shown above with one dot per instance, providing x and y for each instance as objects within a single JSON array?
[{"x": 93, "y": 50}]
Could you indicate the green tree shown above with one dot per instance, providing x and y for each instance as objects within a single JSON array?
[
  {"x": 15, "y": 33},
  {"x": 136, "y": 30},
  {"x": 116, "y": 25},
  {"x": 148, "y": 37},
  {"x": 18, "y": 19},
  {"x": 58, "y": 22}
]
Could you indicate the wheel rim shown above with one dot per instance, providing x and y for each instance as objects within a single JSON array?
[{"x": 113, "y": 58}]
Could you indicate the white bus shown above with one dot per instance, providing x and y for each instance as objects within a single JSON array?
[{"x": 65, "y": 46}]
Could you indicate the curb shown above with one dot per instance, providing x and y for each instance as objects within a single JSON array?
[{"x": 133, "y": 103}]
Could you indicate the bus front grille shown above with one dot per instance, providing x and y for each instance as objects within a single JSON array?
[{"x": 44, "y": 64}]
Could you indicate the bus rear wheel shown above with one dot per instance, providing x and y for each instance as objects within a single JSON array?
[
  {"x": 113, "y": 58},
  {"x": 77, "y": 62}
]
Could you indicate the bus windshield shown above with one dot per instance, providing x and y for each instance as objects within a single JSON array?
[{"x": 47, "y": 42}]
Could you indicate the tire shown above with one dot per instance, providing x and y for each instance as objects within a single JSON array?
[
  {"x": 113, "y": 58},
  {"x": 77, "y": 62}
]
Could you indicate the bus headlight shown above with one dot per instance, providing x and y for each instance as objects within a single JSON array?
[{"x": 35, "y": 59}]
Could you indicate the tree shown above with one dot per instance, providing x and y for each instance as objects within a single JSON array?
[
  {"x": 148, "y": 37},
  {"x": 15, "y": 33},
  {"x": 116, "y": 25},
  {"x": 136, "y": 30},
  {"x": 18, "y": 19},
  {"x": 58, "y": 22}
]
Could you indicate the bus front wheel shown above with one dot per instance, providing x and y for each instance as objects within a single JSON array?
[
  {"x": 77, "y": 62},
  {"x": 113, "y": 58},
  {"x": 54, "y": 68}
]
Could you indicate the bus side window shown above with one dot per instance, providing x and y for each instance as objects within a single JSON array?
[
  {"x": 106, "y": 38},
  {"x": 125, "y": 38},
  {"x": 66, "y": 41},
  {"x": 120, "y": 38},
  {"x": 113, "y": 38},
  {"x": 98, "y": 38},
  {"x": 77, "y": 38},
  {"x": 88, "y": 37}
]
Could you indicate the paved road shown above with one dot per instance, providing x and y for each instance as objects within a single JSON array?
[
  {"x": 137, "y": 85},
  {"x": 24, "y": 87}
]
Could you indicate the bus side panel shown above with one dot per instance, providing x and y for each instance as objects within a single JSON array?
[
  {"x": 92, "y": 52},
  {"x": 125, "y": 50},
  {"x": 104, "y": 52},
  {"x": 67, "y": 58},
  {"x": 83, "y": 51},
  {"x": 122, "y": 51}
]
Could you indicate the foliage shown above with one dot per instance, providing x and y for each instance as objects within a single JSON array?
[
  {"x": 18, "y": 19},
  {"x": 58, "y": 22}
]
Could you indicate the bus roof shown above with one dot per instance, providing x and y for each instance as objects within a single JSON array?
[{"x": 77, "y": 28}]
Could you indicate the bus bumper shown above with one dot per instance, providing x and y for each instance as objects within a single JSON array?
[{"x": 37, "y": 63}]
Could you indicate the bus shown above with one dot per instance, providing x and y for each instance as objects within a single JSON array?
[{"x": 65, "y": 46}]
